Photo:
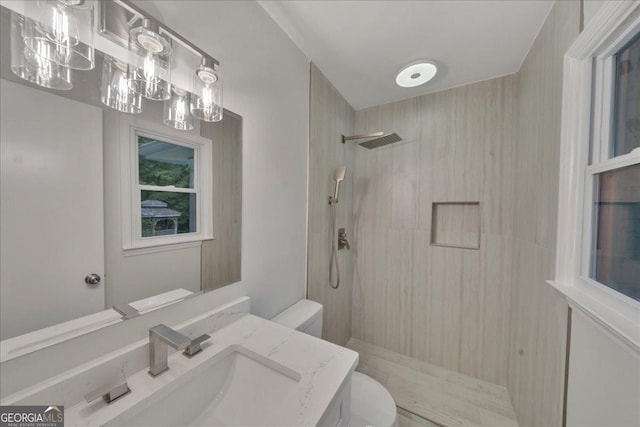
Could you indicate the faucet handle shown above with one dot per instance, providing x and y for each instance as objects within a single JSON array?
[
  {"x": 109, "y": 392},
  {"x": 126, "y": 310},
  {"x": 195, "y": 345}
]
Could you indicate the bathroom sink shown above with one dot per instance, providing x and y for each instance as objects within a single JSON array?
[
  {"x": 250, "y": 372},
  {"x": 236, "y": 387}
]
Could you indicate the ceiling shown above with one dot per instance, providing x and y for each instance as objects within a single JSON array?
[{"x": 361, "y": 45}]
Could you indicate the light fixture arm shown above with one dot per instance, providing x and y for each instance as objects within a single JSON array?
[{"x": 136, "y": 10}]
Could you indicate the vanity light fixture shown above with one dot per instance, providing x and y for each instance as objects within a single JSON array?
[
  {"x": 49, "y": 38},
  {"x": 31, "y": 65},
  {"x": 416, "y": 74},
  {"x": 58, "y": 27},
  {"x": 116, "y": 90},
  {"x": 154, "y": 75},
  {"x": 206, "y": 102},
  {"x": 176, "y": 112}
]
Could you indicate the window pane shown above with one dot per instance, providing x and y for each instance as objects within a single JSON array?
[
  {"x": 165, "y": 213},
  {"x": 626, "y": 132},
  {"x": 617, "y": 210},
  {"x": 161, "y": 163}
]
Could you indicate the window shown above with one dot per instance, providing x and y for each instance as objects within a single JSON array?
[
  {"x": 616, "y": 237},
  {"x": 166, "y": 198},
  {"x": 626, "y": 137},
  {"x": 613, "y": 177},
  {"x": 598, "y": 246}
]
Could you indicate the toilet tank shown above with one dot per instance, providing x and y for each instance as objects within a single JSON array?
[{"x": 304, "y": 316}]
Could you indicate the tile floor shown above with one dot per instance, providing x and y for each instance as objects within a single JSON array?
[{"x": 442, "y": 396}]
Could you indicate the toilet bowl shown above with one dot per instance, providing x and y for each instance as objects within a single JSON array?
[{"x": 371, "y": 403}]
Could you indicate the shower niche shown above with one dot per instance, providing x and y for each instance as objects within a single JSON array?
[{"x": 456, "y": 224}]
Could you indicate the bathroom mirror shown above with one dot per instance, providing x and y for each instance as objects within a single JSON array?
[{"x": 66, "y": 263}]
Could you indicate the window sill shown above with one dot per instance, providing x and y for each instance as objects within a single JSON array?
[
  {"x": 163, "y": 247},
  {"x": 617, "y": 317}
]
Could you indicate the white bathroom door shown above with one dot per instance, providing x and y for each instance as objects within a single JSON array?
[{"x": 51, "y": 214}]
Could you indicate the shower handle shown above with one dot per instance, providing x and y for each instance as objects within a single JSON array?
[{"x": 342, "y": 240}]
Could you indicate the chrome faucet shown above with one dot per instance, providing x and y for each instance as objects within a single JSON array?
[{"x": 160, "y": 338}]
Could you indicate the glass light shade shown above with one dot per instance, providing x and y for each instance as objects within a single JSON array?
[
  {"x": 33, "y": 66},
  {"x": 206, "y": 103},
  {"x": 176, "y": 112},
  {"x": 117, "y": 91},
  {"x": 152, "y": 79},
  {"x": 58, "y": 27},
  {"x": 154, "y": 73}
]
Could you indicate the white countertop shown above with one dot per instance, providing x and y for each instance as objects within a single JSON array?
[
  {"x": 323, "y": 368},
  {"x": 35, "y": 340}
]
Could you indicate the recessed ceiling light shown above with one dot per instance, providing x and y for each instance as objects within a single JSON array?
[{"x": 416, "y": 74}]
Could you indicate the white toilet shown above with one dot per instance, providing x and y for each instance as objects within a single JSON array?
[{"x": 371, "y": 403}]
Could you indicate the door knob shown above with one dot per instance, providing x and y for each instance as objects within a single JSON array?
[{"x": 92, "y": 279}]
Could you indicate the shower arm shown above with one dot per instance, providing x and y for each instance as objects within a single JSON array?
[{"x": 363, "y": 136}]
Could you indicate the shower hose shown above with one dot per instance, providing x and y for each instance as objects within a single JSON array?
[{"x": 334, "y": 252}]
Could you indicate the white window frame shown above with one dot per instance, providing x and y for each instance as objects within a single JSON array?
[
  {"x": 588, "y": 80},
  {"x": 132, "y": 241}
]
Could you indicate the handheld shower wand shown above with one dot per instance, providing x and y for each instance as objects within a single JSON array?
[
  {"x": 338, "y": 177},
  {"x": 333, "y": 201}
]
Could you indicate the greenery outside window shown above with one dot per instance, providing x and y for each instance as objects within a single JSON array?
[
  {"x": 168, "y": 190},
  {"x": 168, "y": 196}
]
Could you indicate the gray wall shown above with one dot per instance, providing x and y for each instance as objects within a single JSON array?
[
  {"x": 445, "y": 305},
  {"x": 221, "y": 256},
  {"x": 331, "y": 117},
  {"x": 538, "y": 312},
  {"x": 217, "y": 262},
  {"x": 266, "y": 81},
  {"x": 129, "y": 278},
  {"x": 51, "y": 209}
]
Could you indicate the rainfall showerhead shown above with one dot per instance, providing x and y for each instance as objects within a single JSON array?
[
  {"x": 381, "y": 141},
  {"x": 374, "y": 140}
]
